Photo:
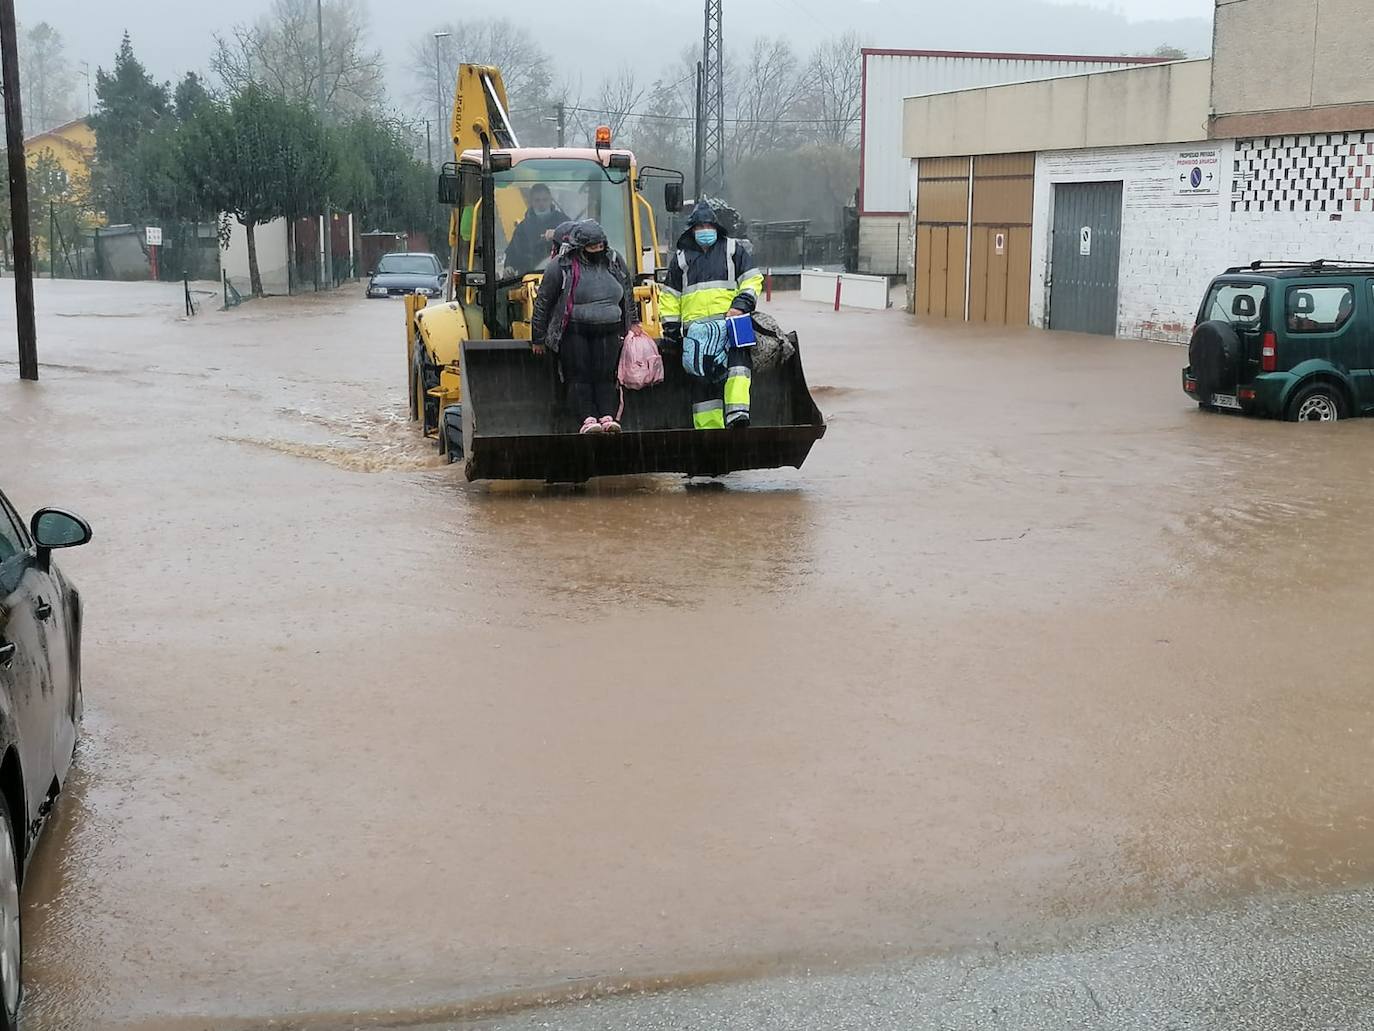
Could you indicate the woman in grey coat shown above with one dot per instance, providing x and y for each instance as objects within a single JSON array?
[{"x": 583, "y": 310}]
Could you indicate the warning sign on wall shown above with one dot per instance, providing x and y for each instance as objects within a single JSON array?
[{"x": 1198, "y": 172}]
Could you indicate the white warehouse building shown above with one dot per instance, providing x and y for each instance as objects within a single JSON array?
[
  {"x": 1106, "y": 202},
  {"x": 889, "y": 77}
]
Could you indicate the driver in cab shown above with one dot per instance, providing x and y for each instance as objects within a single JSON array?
[{"x": 529, "y": 243}]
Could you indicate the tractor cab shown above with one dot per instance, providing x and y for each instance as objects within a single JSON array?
[{"x": 532, "y": 191}]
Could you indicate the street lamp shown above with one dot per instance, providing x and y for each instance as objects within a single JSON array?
[
  {"x": 327, "y": 218},
  {"x": 439, "y": 85}
]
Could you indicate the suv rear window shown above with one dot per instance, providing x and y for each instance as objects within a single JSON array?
[
  {"x": 1319, "y": 309},
  {"x": 1237, "y": 303}
]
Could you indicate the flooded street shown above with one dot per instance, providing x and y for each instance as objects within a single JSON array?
[{"x": 1029, "y": 645}]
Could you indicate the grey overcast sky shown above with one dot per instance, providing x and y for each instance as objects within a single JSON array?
[{"x": 174, "y": 36}]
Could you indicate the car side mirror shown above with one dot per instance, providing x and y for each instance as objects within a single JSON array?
[
  {"x": 672, "y": 197},
  {"x": 371, "y": 272},
  {"x": 53, "y": 528}
]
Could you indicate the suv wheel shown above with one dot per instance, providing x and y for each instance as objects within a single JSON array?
[
  {"x": 1320, "y": 402},
  {"x": 1214, "y": 356}
]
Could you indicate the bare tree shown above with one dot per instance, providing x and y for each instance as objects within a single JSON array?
[
  {"x": 619, "y": 99},
  {"x": 525, "y": 68},
  {"x": 763, "y": 92},
  {"x": 666, "y": 132},
  {"x": 281, "y": 53},
  {"x": 48, "y": 78},
  {"x": 832, "y": 97}
]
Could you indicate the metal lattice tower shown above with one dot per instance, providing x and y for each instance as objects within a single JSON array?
[{"x": 713, "y": 115}]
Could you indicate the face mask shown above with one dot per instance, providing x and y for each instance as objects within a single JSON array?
[{"x": 705, "y": 237}]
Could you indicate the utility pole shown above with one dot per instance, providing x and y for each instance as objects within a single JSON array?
[
  {"x": 713, "y": 60},
  {"x": 439, "y": 119},
  {"x": 328, "y": 213},
  {"x": 699, "y": 140},
  {"x": 52, "y": 239},
  {"x": 19, "y": 194},
  {"x": 86, "y": 74},
  {"x": 429, "y": 144},
  {"x": 562, "y": 124}
]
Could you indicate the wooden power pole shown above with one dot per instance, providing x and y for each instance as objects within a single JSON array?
[{"x": 19, "y": 194}]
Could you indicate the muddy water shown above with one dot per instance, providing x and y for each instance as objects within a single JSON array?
[{"x": 1028, "y": 643}]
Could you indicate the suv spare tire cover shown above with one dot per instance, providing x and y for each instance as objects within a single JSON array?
[{"x": 1214, "y": 354}]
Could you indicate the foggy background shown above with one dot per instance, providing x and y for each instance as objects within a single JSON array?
[{"x": 175, "y": 36}]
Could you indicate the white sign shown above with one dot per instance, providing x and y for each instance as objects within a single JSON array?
[
  {"x": 1197, "y": 172},
  {"x": 1001, "y": 242},
  {"x": 154, "y": 236},
  {"x": 1085, "y": 241}
]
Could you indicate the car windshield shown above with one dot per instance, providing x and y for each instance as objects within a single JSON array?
[
  {"x": 533, "y": 197},
  {"x": 408, "y": 265},
  {"x": 1241, "y": 304}
]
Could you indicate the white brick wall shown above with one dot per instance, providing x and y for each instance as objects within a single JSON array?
[
  {"x": 883, "y": 249},
  {"x": 1172, "y": 245}
]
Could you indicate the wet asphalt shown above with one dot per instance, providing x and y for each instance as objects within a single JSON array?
[{"x": 1030, "y": 652}]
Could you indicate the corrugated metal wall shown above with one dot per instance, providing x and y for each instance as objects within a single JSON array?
[
  {"x": 941, "y": 236},
  {"x": 1085, "y": 266},
  {"x": 975, "y": 259},
  {"x": 890, "y": 78}
]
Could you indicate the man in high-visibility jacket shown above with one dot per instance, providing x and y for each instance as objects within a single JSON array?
[{"x": 712, "y": 275}]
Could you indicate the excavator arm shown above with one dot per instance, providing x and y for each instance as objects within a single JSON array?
[{"x": 480, "y": 109}]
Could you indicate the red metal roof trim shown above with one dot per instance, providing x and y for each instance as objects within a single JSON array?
[{"x": 992, "y": 56}]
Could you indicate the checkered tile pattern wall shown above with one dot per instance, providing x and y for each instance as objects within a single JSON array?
[{"x": 1326, "y": 172}]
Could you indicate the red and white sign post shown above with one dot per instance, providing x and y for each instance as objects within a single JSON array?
[{"x": 154, "y": 245}]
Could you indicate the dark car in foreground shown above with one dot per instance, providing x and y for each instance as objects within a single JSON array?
[
  {"x": 1287, "y": 341},
  {"x": 40, "y": 706},
  {"x": 406, "y": 273}
]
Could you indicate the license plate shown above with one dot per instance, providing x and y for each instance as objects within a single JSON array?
[{"x": 1226, "y": 401}]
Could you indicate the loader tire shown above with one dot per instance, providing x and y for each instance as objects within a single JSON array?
[
  {"x": 453, "y": 432},
  {"x": 426, "y": 378}
]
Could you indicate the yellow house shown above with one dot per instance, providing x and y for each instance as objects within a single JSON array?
[{"x": 72, "y": 145}]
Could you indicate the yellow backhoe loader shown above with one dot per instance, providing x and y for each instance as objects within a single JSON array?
[{"x": 475, "y": 383}]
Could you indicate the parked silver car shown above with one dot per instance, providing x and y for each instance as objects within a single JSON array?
[{"x": 40, "y": 706}]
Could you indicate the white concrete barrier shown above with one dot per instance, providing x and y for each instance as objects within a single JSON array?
[{"x": 855, "y": 291}]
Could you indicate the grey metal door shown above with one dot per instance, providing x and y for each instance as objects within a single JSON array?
[{"x": 1086, "y": 257}]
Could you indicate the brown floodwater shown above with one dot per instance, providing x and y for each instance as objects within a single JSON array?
[{"x": 1029, "y": 642}]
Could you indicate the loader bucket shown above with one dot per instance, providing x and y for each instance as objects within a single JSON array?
[{"x": 516, "y": 425}]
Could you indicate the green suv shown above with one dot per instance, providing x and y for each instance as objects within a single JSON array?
[{"x": 1287, "y": 341}]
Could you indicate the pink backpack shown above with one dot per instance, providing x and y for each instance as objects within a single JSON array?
[{"x": 640, "y": 363}]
